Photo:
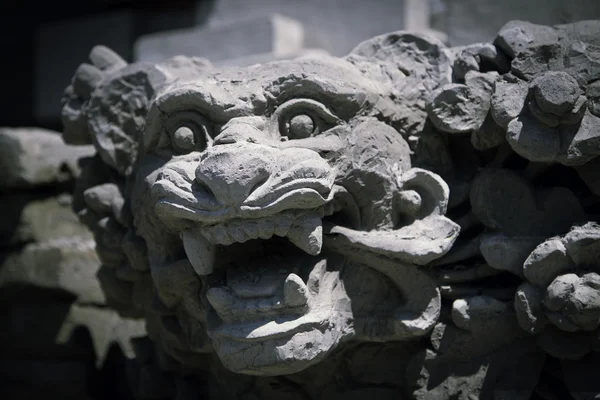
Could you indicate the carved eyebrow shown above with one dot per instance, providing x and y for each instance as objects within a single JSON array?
[{"x": 344, "y": 100}]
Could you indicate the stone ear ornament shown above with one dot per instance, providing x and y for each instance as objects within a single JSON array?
[
  {"x": 423, "y": 196},
  {"x": 398, "y": 254}
]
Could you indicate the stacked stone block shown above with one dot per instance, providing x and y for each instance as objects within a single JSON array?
[{"x": 59, "y": 340}]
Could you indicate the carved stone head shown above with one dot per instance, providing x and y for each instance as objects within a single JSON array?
[{"x": 270, "y": 213}]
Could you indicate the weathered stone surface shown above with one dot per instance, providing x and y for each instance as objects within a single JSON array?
[
  {"x": 504, "y": 201},
  {"x": 547, "y": 261},
  {"x": 429, "y": 65},
  {"x": 477, "y": 57},
  {"x": 532, "y": 140},
  {"x": 463, "y": 362},
  {"x": 562, "y": 302},
  {"x": 593, "y": 98},
  {"x": 577, "y": 297},
  {"x": 517, "y": 36},
  {"x": 567, "y": 144},
  {"x": 556, "y": 92},
  {"x": 537, "y": 59},
  {"x": 312, "y": 293},
  {"x": 67, "y": 264},
  {"x": 508, "y": 253},
  {"x": 555, "y": 74},
  {"x": 30, "y": 218},
  {"x": 34, "y": 156},
  {"x": 580, "y": 143},
  {"x": 457, "y": 108},
  {"x": 489, "y": 135},
  {"x": 583, "y": 244},
  {"x": 508, "y": 100},
  {"x": 528, "y": 306}
]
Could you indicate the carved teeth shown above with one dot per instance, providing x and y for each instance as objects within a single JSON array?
[
  {"x": 222, "y": 236},
  {"x": 200, "y": 252},
  {"x": 236, "y": 232},
  {"x": 266, "y": 228},
  {"x": 295, "y": 292},
  {"x": 251, "y": 229},
  {"x": 304, "y": 229},
  {"x": 283, "y": 223},
  {"x": 307, "y": 233}
]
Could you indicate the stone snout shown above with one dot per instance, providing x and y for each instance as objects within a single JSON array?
[{"x": 246, "y": 172}]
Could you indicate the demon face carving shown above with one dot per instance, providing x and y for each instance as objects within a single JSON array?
[{"x": 274, "y": 207}]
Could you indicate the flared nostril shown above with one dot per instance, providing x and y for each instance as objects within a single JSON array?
[
  {"x": 202, "y": 190},
  {"x": 260, "y": 182}
]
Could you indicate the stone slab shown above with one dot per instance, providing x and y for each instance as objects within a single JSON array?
[
  {"x": 64, "y": 264},
  {"x": 34, "y": 156},
  {"x": 29, "y": 217},
  {"x": 272, "y": 33}
]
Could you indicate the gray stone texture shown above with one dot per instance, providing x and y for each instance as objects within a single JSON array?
[
  {"x": 34, "y": 157},
  {"x": 272, "y": 34},
  {"x": 315, "y": 222}
]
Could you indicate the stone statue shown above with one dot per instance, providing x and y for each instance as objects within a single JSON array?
[{"x": 287, "y": 228}]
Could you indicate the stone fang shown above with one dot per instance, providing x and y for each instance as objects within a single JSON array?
[{"x": 200, "y": 252}]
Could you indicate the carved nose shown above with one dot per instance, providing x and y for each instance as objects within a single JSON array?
[{"x": 232, "y": 172}]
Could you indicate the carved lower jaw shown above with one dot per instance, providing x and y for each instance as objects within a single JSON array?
[
  {"x": 282, "y": 354},
  {"x": 276, "y": 337}
]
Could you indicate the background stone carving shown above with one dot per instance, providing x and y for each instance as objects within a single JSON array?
[{"x": 58, "y": 338}]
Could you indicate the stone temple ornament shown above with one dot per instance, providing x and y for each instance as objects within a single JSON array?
[{"x": 403, "y": 222}]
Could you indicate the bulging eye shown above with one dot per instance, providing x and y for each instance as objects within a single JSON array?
[
  {"x": 302, "y": 118},
  {"x": 186, "y": 132},
  {"x": 301, "y": 126},
  {"x": 184, "y": 138}
]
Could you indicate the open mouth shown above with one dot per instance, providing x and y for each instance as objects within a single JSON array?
[{"x": 261, "y": 269}]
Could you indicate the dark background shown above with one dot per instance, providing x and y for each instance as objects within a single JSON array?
[
  {"x": 42, "y": 43},
  {"x": 20, "y": 22}
]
